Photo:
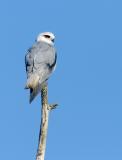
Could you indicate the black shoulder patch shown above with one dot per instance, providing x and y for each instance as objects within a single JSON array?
[{"x": 54, "y": 63}]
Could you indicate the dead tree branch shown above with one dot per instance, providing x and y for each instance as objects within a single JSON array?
[{"x": 44, "y": 122}]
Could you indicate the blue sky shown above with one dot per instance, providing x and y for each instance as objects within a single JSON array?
[{"x": 87, "y": 83}]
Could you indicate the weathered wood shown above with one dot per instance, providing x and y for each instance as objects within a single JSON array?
[{"x": 44, "y": 122}]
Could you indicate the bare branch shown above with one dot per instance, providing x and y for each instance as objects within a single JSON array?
[{"x": 44, "y": 122}]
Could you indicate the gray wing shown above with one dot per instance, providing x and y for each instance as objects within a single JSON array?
[
  {"x": 41, "y": 60},
  {"x": 29, "y": 63}
]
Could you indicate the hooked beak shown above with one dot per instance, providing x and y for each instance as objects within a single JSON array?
[{"x": 53, "y": 40}]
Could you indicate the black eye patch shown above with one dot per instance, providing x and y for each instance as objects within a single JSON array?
[{"x": 46, "y": 36}]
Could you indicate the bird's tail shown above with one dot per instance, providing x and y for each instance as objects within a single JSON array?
[
  {"x": 34, "y": 86},
  {"x": 34, "y": 92}
]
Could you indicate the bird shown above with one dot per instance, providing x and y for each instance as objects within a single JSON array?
[{"x": 40, "y": 62}]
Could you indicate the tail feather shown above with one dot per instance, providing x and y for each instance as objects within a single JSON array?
[
  {"x": 34, "y": 86},
  {"x": 34, "y": 92}
]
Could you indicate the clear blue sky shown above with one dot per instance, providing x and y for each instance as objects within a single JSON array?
[{"x": 87, "y": 82}]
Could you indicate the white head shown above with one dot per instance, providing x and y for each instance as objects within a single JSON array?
[{"x": 47, "y": 37}]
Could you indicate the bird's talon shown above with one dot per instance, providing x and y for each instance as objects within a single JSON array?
[{"x": 53, "y": 106}]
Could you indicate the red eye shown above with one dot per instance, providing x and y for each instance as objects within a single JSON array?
[{"x": 46, "y": 36}]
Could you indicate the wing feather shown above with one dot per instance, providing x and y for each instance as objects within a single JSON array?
[{"x": 40, "y": 61}]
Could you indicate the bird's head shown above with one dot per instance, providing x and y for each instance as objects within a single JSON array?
[{"x": 46, "y": 37}]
